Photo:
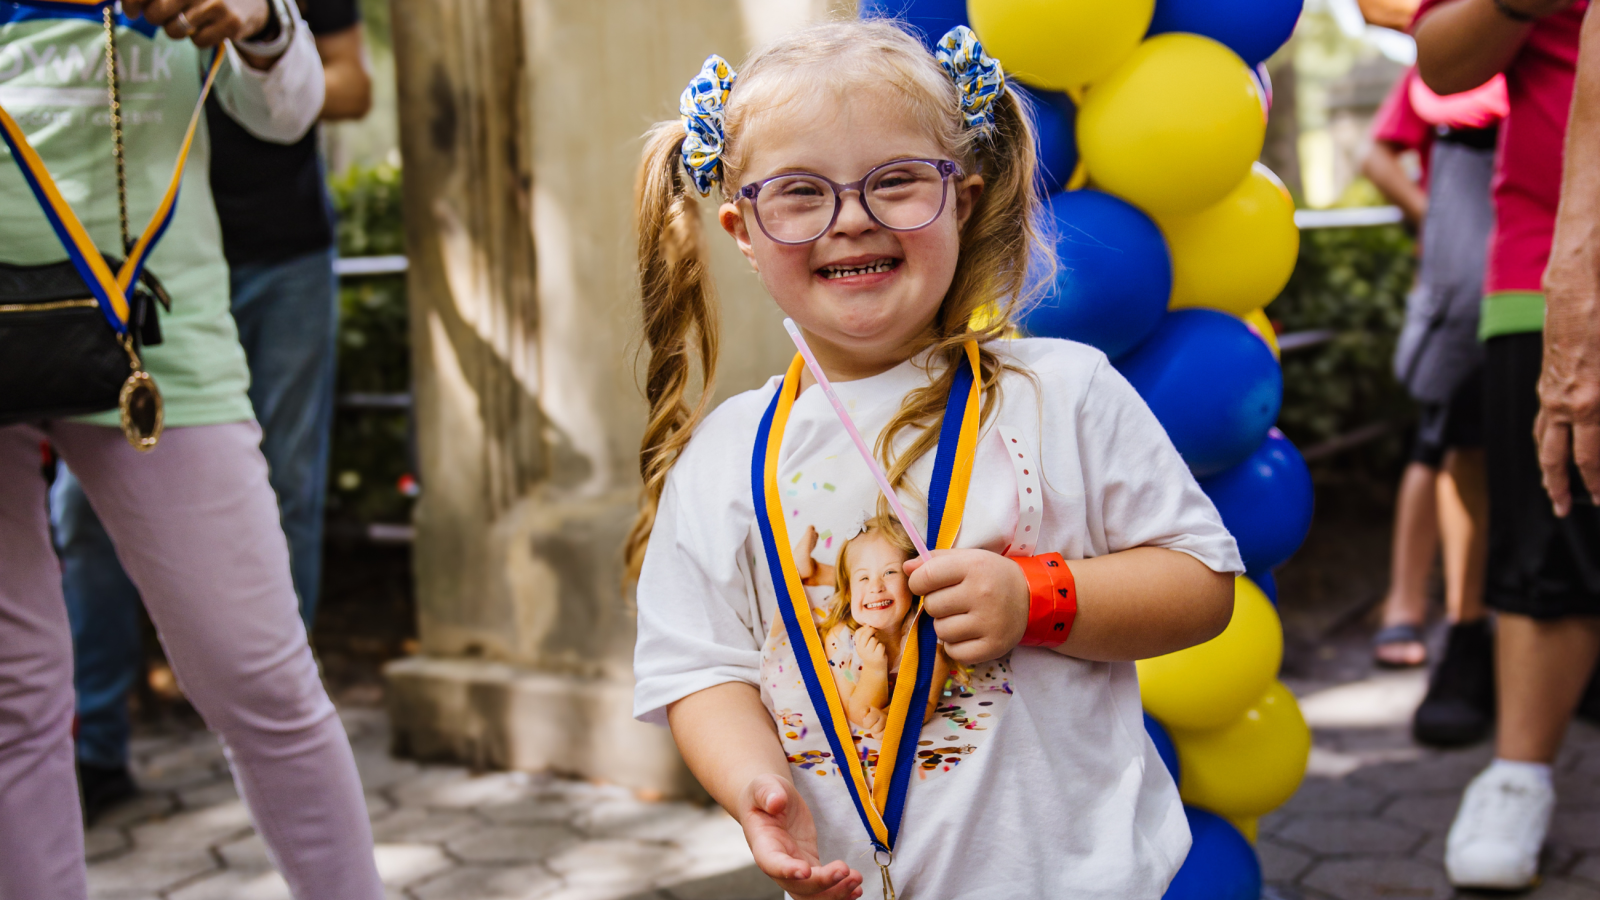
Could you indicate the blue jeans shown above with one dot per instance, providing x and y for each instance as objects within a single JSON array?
[{"x": 287, "y": 314}]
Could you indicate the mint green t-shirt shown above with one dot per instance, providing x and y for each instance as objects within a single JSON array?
[{"x": 52, "y": 81}]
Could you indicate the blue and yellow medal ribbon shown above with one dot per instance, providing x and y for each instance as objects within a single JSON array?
[
  {"x": 880, "y": 802},
  {"x": 110, "y": 289}
]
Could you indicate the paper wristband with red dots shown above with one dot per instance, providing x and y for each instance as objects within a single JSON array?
[{"x": 1052, "y": 599}]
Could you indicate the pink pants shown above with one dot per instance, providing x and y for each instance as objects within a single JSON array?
[{"x": 196, "y": 526}]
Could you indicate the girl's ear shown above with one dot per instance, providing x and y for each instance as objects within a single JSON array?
[
  {"x": 732, "y": 221},
  {"x": 968, "y": 190}
]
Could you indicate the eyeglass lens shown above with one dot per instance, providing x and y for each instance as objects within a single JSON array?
[{"x": 904, "y": 196}]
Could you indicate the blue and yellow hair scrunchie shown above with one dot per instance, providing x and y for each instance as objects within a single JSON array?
[
  {"x": 701, "y": 107},
  {"x": 977, "y": 75}
]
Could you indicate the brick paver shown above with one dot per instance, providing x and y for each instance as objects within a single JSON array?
[
  {"x": 442, "y": 833},
  {"x": 1370, "y": 820},
  {"x": 1368, "y": 824}
]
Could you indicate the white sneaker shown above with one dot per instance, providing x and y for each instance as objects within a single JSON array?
[{"x": 1495, "y": 839}]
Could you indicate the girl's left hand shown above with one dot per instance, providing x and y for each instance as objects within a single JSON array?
[
  {"x": 978, "y": 600},
  {"x": 206, "y": 22}
]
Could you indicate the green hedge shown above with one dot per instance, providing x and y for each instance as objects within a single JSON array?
[
  {"x": 1353, "y": 281},
  {"x": 371, "y": 448}
]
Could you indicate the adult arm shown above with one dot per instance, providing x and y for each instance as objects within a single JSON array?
[
  {"x": 275, "y": 98},
  {"x": 730, "y": 743},
  {"x": 1463, "y": 44},
  {"x": 345, "y": 73},
  {"x": 1382, "y": 167},
  {"x": 1568, "y": 426}
]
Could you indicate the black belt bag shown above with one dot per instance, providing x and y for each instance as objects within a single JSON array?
[{"x": 59, "y": 356}]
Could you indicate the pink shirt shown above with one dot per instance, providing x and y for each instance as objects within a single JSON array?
[
  {"x": 1397, "y": 123},
  {"x": 1527, "y": 180}
]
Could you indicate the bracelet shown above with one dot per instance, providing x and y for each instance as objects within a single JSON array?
[
  {"x": 1052, "y": 599},
  {"x": 1512, "y": 13}
]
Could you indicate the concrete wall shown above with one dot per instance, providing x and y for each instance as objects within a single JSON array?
[{"x": 520, "y": 131}]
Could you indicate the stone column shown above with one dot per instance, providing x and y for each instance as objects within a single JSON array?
[{"x": 520, "y": 129}]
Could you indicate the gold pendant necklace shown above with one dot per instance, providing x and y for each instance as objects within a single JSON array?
[{"x": 142, "y": 412}]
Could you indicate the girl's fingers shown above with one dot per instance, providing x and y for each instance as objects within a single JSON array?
[
  {"x": 957, "y": 628},
  {"x": 976, "y": 651},
  {"x": 941, "y": 571},
  {"x": 835, "y": 881}
]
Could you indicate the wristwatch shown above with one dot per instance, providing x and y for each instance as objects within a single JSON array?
[
  {"x": 275, "y": 35},
  {"x": 1512, "y": 13}
]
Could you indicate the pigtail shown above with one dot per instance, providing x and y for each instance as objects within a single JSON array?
[
  {"x": 680, "y": 320},
  {"x": 992, "y": 282}
]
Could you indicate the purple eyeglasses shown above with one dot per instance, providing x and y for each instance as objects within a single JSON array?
[{"x": 902, "y": 195}]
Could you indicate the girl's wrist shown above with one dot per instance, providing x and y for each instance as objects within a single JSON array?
[{"x": 1052, "y": 600}]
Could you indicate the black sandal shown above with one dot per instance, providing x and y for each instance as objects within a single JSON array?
[{"x": 1404, "y": 633}]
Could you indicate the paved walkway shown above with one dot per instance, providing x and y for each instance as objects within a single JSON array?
[
  {"x": 1368, "y": 824},
  {"x": 442, "y": 832}
]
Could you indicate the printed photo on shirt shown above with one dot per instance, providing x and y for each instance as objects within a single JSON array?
[{"x": 852, "y": 562}]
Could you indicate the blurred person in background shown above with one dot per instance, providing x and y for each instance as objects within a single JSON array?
[
  {"x": 278, "y": 238},
  {"x": 1439, "y": 360},
  {"x": 1544, "y": 558},
  {"x": 195, "y": 519}
]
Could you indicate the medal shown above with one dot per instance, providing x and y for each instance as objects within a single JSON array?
[{"x": 879, "y": 801}]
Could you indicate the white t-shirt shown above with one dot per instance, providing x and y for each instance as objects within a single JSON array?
[{"x": 1036, "y": 777}]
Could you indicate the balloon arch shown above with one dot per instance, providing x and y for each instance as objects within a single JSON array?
[{"x": 1170, "y": 238}]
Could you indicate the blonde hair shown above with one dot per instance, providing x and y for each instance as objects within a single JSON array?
[
  {"x": 886, "y": 527},
  {"x": 991, "y": 273}
]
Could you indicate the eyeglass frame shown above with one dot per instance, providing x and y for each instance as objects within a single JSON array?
[{"x": 945, "y": 168}]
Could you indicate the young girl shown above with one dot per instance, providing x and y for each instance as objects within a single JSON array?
[{"x": 884, "y": 198}]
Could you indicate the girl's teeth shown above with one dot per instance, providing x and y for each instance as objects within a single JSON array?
[{"x": 882, "y": 265}]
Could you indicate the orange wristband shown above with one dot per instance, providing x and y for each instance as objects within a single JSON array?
[{"x": 1052, "y": 599}]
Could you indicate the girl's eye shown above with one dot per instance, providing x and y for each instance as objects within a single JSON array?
[{"x": 798, "y": 189}]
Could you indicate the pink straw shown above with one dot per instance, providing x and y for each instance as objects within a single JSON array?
[{"x": 861, "y": 445}]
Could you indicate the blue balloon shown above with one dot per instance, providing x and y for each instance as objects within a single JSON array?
[
  {"x": 1267, "y": 581},
  {"x": 1164, "y": 746},
  {"x": 1265, "y": 501},
  {"x": 1213, "y": 385},
  {"x": 1254, "y": 29},
  {"x": 1055, "y": 120},
  {"x": 1113, "y": 275},
  {"x": 930, "y": 18},
  {"x": 1221, "y": 864}
]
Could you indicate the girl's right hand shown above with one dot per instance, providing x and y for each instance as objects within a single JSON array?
[
  {"x": 869, "y": 648},
  {"x": 783, "y": 839}
]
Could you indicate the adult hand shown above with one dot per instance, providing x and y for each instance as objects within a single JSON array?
[
  {"x": 1568, "y": 426},
  {"x": 783, "y": 839},
  {"x": 206, "y": 22},
  {"x": 978, "y": 600}
]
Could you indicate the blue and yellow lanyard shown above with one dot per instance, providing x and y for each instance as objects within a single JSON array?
[
  {"x": 880, "y": 802},
  {"x": 110, "y": 289}
]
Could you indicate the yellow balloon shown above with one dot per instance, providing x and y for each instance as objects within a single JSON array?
[
  {"x": 1059, "y": 44},
  {"x": 1262, "y": 327},
  {"x": 1250, "y": 767},
  {"x": 1175, "y": 128},
  {"x": 1212, "y": 684},
  {"x": 1235, "y": 255},
  {"x": 1250, "y": 827}
]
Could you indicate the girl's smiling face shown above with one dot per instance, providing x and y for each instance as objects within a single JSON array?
[
  {"x": 879, "y": 597},
  {"x": 858, "y": 324}
]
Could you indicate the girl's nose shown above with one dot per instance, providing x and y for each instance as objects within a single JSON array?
[{"x": 853, "y": 216}]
